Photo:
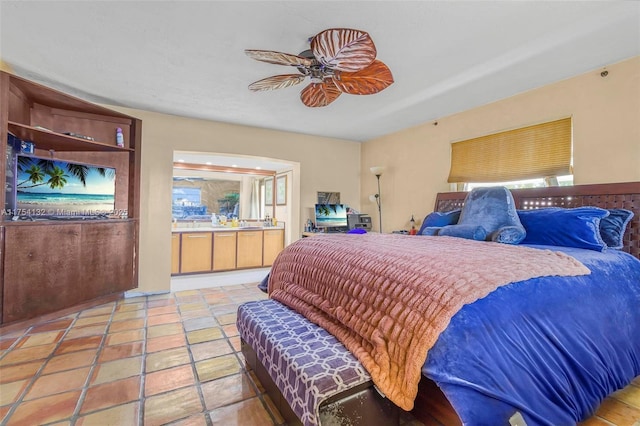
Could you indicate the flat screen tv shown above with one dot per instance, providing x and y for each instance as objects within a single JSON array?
[
  {"x": 46, "y": 187},
  {"x": 331, "y": 216}
]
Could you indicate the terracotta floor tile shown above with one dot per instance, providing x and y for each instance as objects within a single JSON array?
[
  {"x": 170, "y": 406},
  {"x": 163, "y": 319},
  {"x": 9, "y": 392},
  {"x": 91, "y": 330},
  {"x": 211, "y": 349},
  {"x": 197, "y": 420},
  {"x": 199, "y": 323},
  {"x": 166, "y": 359},
  {"x": 17, "y": 356},
  {"x": 165, "y": 342},
  {"x": 127, "y": 350},
  {"x": 45, "y": 410},
  {"x": 126, "y": 325},
  {"x": 204, "y": 335},
  {"x": 138, "y": 300},
  {"x": 184, "y": 307},
  {"x": 246, "y": 413},
  {"x": 227, "y": 318},
  {"x": 186, "y": 293},
  {"x": 161, "y": 310},
  {"x": 227, "y": 390},
  {"x": 214, "y": 368},
  {"x": 158, "y": 303},
  {"x": 129, "y": 307},
  {"x": 235, "y": 342},
  {"x": 55, "y": 383},
  {"x": 73, "y": 345},
  {"x": 60, "y": 324},
  {"x": 110, "y": 394},
  {"x": 169, "y": 379},
  {"x": 124, "y": 337},
  {"x": 164, "y": 330},
  {"x": 230, "y": 330},
  {"x": 115, "y": 370},
  {"x": 3, "y": 412},
  {"x": 133, "y": 314},
  {"x": 100, "y": 319},
  {"x": 200, "y": 313},
  {"x": 40, "y": 339},
  {"x": 69, "y": 361},
  {"x": 121, "y": 415},
  {"x": 97, "y": 311},
  {"x": 6, "y": 343},
  {"x": 11, "y": 373}
]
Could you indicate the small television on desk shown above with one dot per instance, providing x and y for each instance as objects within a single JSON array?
[{"x": 331, "y": 217}]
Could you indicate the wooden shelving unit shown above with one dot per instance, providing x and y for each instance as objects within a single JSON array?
[{"x": 49, "y": 265}]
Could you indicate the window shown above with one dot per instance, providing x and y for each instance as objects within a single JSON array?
[{"x": 540, "y": 152}]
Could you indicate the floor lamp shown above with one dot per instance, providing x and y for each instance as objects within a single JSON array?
[{"x": 377, "y": 171}]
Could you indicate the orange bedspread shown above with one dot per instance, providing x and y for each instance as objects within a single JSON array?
[{"x": 387, "y": 298}]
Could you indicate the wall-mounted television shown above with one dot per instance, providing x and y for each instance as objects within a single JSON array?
[
  {"x": 46, "y": 187},
  {"x": 331, "y": 216}
]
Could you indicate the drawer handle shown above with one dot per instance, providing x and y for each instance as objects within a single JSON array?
[
  {"x": 197, "y": 236},
  {"x": 224, "y": 235}
]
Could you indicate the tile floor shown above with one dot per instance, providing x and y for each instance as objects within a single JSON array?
[{"x": 151, "y": 360}]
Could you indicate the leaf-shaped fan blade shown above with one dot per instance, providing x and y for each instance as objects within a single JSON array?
[
  {"x": 276, "y": 82},
  {"x": 278, "y": 58},
  {"x": 344, "y": 49},
  {"x": 372, "y": 79},
  {"x": 319, "y": 94}
]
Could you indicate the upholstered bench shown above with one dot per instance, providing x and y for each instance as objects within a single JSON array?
[{"x": 310, "y": 376}]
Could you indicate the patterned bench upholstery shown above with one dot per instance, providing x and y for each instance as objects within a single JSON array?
[{"x": 312, "y": 370}]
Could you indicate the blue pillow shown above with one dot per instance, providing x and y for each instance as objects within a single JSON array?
[
  {"x": 470, "y": 232},
  {"x": 612, "y": 227},
  {"x": 555, "y": 226},
  {"x": 439, "y": 219},
  {"x": 509, "y": 235}
]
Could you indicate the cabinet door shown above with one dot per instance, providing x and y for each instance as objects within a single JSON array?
[
  {"x": 195, "y": 255},
  {"x": 273, "y": 245},
  {"x": 175, "y": 253},
  {"x": 224, "y": 250},
  {"x": 106, "y": 261},
  {"x": 41, "y": 270},
  {"x": 249, "y": 249}
]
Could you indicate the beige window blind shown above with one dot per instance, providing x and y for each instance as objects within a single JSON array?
[{"x": 528, "y": 152}]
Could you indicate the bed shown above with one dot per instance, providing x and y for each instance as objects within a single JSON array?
[{"x": 549, "y": 348}]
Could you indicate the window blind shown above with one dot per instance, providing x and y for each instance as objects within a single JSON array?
[{"x": 529, "y": 152}]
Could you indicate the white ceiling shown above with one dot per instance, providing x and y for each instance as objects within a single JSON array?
[{"x": 186, "y": 57}]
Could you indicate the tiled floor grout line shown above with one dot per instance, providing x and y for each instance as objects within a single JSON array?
[
  {"x": 94, "y": 364},
  {"x": 20, "y": 399},
  {"x": 143, "y": 375}
]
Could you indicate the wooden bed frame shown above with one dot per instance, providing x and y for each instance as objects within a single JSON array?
[{"x": 431, "y": 405}]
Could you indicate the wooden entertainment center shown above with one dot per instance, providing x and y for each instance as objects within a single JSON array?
[{"x": 48, "y": 264}]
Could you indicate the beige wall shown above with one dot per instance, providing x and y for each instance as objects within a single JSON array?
[
  {"x": 324, "y": 165},
  {"x": 606, "y": 138}
]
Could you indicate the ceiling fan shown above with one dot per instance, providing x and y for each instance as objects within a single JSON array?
[{"x": 340, "y": 60}]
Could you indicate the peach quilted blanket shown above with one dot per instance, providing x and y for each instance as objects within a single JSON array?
[{"x": 387, "y": 298}]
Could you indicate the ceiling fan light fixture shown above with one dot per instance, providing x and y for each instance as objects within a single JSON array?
[{"x": 341, "y": 60}]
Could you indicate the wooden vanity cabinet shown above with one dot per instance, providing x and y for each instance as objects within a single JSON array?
[
  {"x": 249, "y": 252},
  {"x": 224, "y": 250},
  {"x": 196, "y": 252},
  {"x": 272, "y": 245}
]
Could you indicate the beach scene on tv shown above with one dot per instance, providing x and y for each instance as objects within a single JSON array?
[
  {"x": 331, "y": 215},
  {"x": 60, "y": 188}
]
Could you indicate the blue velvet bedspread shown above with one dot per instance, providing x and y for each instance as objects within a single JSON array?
[{"x": 551, "y": 348}]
